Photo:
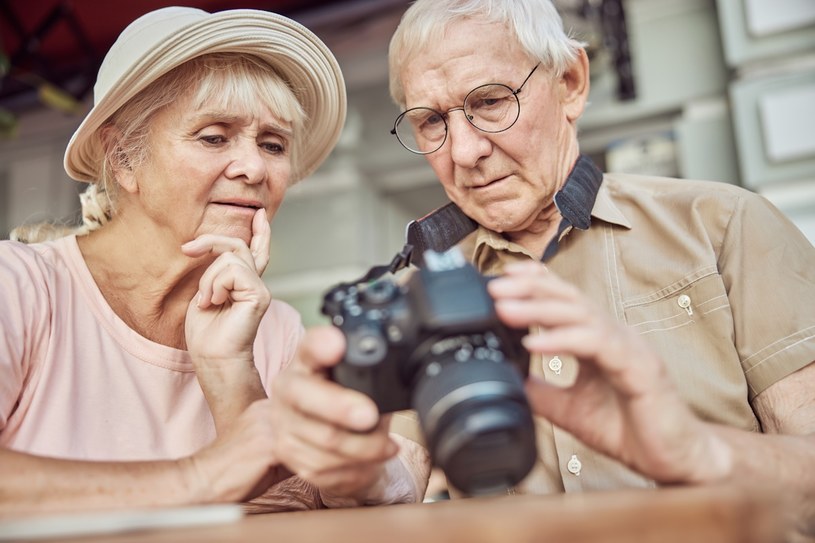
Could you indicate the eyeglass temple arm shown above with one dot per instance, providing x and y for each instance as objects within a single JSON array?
[{"x": 518, "y": 90}]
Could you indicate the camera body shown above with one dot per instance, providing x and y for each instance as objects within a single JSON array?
[{"x": 436, "y": 345}]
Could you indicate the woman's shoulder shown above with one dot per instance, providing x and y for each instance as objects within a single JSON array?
[
  {"x": 33, "y": 278},
  {"x": 36, "y": 259}
]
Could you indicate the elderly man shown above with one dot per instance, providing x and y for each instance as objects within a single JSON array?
[{"x": 672, "y": 328}]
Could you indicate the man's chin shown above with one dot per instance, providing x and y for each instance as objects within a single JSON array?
[{"x": 497, "y": 218}]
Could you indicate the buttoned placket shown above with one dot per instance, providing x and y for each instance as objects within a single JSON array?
[{"x": 561, "y": 370}]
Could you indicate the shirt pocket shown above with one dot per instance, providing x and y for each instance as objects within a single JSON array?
[
  {"x": 683, "y": 303},
  {"x": 690, "y": 325}
]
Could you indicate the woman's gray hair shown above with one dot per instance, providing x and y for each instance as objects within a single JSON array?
[
  {"x": 227, "y": 78},
  {"x": 535, "y": 24}
]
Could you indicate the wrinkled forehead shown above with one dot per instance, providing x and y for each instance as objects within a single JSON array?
[{"x": 466, "y": 54}]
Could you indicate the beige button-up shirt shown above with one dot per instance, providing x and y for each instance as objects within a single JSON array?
[{"x": 715, "y": 278}]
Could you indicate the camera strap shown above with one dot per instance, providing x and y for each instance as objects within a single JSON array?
[
  {"x": 400, "y": 261},
  {"x": 439, "y": 230}
]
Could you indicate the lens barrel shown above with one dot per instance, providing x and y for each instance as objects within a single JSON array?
[{"x": 477, "y": 424}]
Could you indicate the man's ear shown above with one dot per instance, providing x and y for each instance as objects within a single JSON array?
[
  {"x": 574, "y": 86},
  {"x": 111, "y": 138}
]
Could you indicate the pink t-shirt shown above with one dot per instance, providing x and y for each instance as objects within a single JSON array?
[{"x": 77, "y": 382}]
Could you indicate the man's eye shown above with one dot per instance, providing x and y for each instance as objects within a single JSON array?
[
  {"x": 433, "y": 120},
  {"x": 488, "y": 97},
  {"x": 424, "y": 118},
  {"x": 213, "y": 139},
  {"x": 486, "y": 102}
]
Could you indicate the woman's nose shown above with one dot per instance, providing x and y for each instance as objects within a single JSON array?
[{"x": 247, "y": 163}]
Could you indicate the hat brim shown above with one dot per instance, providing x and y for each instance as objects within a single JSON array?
[{"x": 298, "y": 55}]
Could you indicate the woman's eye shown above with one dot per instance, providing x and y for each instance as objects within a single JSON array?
[{"x": 273, "y": 147}]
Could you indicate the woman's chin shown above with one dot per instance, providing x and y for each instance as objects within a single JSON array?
[{"x": 233, "y": 230}]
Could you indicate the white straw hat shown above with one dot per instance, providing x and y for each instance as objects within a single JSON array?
[{"x": 161, "y": 40}]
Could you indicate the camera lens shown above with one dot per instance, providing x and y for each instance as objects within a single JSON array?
[{"x": 477, "y": 423}]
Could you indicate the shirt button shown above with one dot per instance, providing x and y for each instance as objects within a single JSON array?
[
  {"x": 555, "y": 365},
  {"x": 574, "y": 466},
  {"x": 684, "y": 303}
]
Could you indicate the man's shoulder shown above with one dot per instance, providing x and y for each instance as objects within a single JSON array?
[
  {"x": 669, "y": 195},
  {"x": 652, "y": 186}
]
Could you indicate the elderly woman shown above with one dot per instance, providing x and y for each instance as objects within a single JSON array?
[{"x": 132, "y": 350}]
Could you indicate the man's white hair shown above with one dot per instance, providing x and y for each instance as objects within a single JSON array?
[{"x": 534, "y": 24}]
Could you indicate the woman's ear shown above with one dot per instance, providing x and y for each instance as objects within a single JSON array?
[
  {"x": 121, "y": 171},
  {"x": 574, "y": 86}
]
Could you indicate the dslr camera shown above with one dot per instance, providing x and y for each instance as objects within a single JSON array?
[{"x": 435, "y": 344}]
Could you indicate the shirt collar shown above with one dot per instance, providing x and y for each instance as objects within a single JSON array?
[
  {"x": 583, "y": 196},
  {"x": 606, "y": 210}
]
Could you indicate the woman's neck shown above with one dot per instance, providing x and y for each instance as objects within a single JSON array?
[{"x": 147, "y": 283}]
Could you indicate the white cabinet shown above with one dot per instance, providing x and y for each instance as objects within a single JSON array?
[
  {"x": 754, "y": 30},
  {"x": 774, "y": 118}
]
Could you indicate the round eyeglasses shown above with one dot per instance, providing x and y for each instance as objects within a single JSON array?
[{"x": 491, "y": 108}]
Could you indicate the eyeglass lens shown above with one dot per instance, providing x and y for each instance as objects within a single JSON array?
[{"x": 490, "y": 108}]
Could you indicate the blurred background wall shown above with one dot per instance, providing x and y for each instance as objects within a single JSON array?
[{"x": 707, "y": 89}]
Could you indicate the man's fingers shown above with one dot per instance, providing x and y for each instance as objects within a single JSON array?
[
  {"x": 530, "y": 280},
  {"x": 548, "y": 313}
]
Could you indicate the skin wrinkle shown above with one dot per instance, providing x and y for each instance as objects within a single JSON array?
[
  {"x": 520, "y": 205},
  {"x": 637, "y": 415},
  {"x": 202, "y": 173}
]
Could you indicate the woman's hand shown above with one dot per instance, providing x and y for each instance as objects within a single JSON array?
[
  {"x": 223, "y": 318},
  {"x": 240, "y": 464},
  {"x": 329, "y": 435},
  {"x": 623, "y": 402}
]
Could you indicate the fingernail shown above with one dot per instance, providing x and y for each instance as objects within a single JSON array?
[
  {"x": 198, "y": 299},
  {"x": 363, "y": 417}
]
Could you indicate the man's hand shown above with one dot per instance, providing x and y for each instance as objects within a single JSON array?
[{"x": 623, "y": 402}]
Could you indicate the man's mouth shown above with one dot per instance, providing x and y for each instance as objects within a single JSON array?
[{"x": 486, "y": 184}]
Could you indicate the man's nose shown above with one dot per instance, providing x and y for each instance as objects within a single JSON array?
[{"x": 468, "y": 144}]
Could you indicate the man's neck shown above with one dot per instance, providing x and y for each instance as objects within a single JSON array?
[{"x": 537, "y": 237}]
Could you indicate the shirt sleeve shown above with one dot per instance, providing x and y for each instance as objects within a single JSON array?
[
  {"x": 406, "y": 424},
  {"x": 768, "y": 267},
  {"x": 24, "y": 319},
  {"x": 279, "y": 336}
]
